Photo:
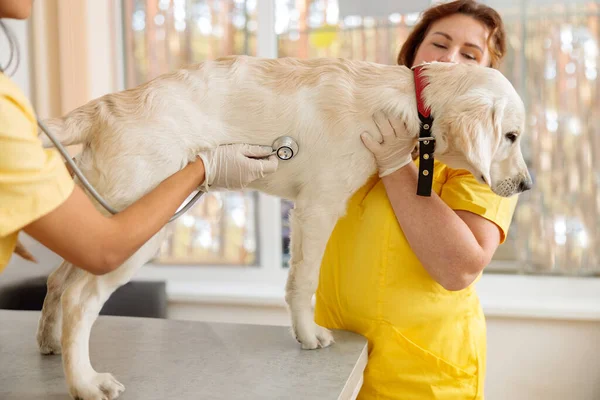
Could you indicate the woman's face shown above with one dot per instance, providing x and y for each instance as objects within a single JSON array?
[
  {"x": 458, "y": 38},
  {"x": 15, "y": 9}
]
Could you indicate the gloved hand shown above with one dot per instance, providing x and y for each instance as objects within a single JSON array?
[
  {"x": 394, "y": 152},
  {"x": 234, "y": 166}
]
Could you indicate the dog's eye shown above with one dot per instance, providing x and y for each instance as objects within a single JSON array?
[{"x": 512, "y": 136}]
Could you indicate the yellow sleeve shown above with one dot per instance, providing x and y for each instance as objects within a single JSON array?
[
  {"x": 33, "y": 181},
  {"x": 462, "y": 192}
]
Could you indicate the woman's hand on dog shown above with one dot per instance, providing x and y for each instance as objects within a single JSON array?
[
  {"x": 235, "y": 166},
  {"x": 394, "y": 150}
]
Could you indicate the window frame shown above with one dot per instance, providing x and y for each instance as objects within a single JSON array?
[{"x": 269, "y": 270}]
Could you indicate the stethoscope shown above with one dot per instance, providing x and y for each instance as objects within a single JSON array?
[{"x": 284, "y": 147}]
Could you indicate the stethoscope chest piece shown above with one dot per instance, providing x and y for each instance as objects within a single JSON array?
[{"x": 285, "y": 148}]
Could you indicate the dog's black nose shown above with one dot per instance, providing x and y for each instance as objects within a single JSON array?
[{"x": 525, "y": 185}]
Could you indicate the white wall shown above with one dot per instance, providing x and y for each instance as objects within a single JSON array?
[
  {"x": 105, "y": 61},
  {"x": 530, "y": 359}
]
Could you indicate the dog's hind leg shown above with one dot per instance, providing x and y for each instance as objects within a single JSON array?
[
  {"x": 81, "y": 303},
  {"x": 311, "y": 226},
  {"x": 50, "y": 323}
]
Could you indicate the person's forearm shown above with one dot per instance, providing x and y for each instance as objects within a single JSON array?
[
  {"x": 441, "y": 240},
  {"x": 80, "y": 234},
  {"x": 83, "y": 236},
  {"x": 131, "y": 230}
]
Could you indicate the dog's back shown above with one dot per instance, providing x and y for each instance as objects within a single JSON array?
[{"x": 135, "y": 138}]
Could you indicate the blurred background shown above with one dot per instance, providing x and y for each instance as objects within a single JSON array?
[
  {"x": 552, "y": 61},
  {"x": 226, "y": 259}
]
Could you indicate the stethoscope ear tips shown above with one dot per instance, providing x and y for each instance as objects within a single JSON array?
[{"x": 285, "y": 148}]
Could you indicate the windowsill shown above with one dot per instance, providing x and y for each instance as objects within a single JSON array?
[
  {"x": 249, "y": 294},
  {"x": 543, "y": 297},
  {"x": 502, "y": 296}
]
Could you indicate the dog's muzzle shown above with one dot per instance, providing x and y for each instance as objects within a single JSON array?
[{"x": 512, "y": 186}]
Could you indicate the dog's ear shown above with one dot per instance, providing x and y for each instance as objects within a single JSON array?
[
  {"x": 467, "y": 125},
  {"x": 498, "y": 114},
  {"x": 465, "y": 118}
]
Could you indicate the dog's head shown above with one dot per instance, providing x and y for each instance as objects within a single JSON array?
[{"x": 479, "y": 120}]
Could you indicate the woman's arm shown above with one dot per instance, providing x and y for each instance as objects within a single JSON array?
[
  {"x": 453, "y": 246},
  {"x": 80, "y": 234}
]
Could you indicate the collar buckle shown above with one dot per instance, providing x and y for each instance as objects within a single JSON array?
[{"x": 426, "y": 161}]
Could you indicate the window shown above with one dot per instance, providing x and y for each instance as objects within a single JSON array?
[
  {"x": 161, "y": 35},
  {"x": 552, "y": 61},
  {"x": 220, "y": 229},
  {"x": 330, "y": 28}
]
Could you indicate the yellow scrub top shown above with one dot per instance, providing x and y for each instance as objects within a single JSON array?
[
  {"x": 424, "y": 342},
  {"x": 33, "y": 181}
]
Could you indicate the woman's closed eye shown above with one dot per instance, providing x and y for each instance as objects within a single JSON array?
[
  {"x": 440, "y": 46},
  {"x": 469, "y": 56}
]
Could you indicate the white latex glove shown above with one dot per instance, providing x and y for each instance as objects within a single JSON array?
[
  {"x": 234, "y": 166},
  {"x": 394, "y": 152}
]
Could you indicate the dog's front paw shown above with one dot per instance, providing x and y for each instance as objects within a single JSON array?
[
  {"x": 312, "y": 336},
  {"x": 98, "y": 387}
]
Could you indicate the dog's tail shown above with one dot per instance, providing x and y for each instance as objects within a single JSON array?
[{"x": 74, "y": 128}]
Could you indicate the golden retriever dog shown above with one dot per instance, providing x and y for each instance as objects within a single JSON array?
[{"x": 134, "y": 139}]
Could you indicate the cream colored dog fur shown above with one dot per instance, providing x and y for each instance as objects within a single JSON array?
[{"x": 134, "y": 139}]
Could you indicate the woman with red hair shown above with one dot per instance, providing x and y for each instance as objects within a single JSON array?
[{"x": 399, "y": 268}]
